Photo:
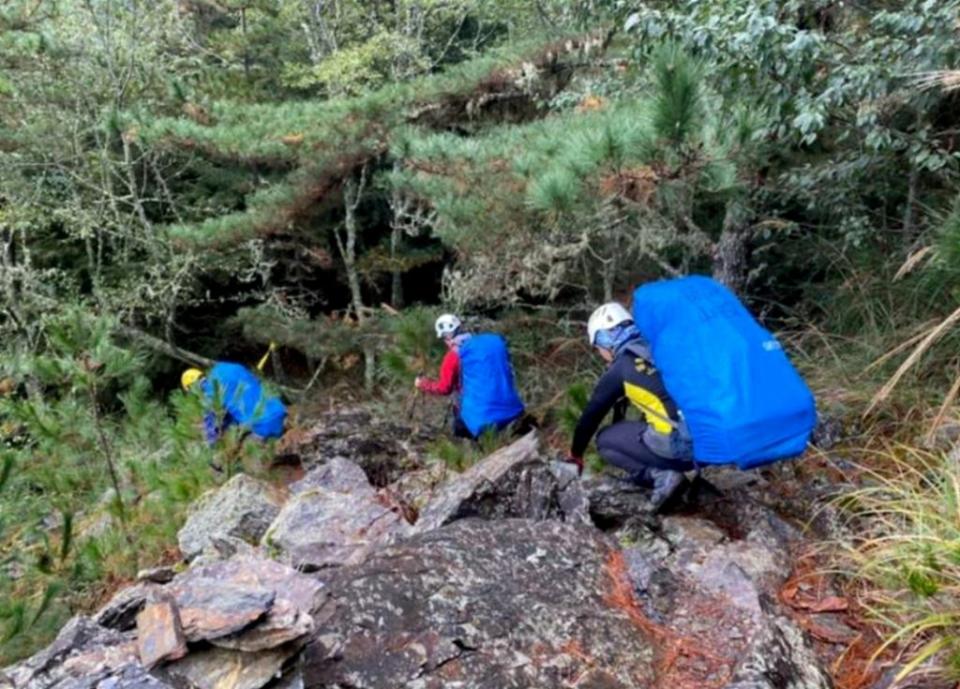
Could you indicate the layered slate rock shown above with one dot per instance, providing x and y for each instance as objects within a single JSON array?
[
  {"x": 241, "y": 509},
  {"x": 85, "y": 656},
  {"x": 159, "y": 633},
  {"x": 245, "y": 619},
  {"x": 120, "y": 613},
  {"x": 218, "y": 668},
  {"x": 515, "y": 481},
  {"x": 481, "y": 604},
  {"x": 210, "y": 609},
  {"x": 246, "y": 603},
  {"x": 334, "y": 519}
]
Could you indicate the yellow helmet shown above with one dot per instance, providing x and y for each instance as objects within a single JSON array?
[{"x": 189, "y": 377}]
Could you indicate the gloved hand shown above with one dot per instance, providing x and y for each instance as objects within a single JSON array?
[
  {"x": 578, "y": 461},
  {"x": 416, "y": 382}
]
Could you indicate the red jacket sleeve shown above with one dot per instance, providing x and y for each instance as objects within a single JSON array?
[{"x": 449, "y": 380}]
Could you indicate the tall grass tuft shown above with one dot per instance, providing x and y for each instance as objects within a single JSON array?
[{"x": 906, "y": 553}]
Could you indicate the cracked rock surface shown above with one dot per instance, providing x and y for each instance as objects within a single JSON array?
[{"x": 506, "y": 603}]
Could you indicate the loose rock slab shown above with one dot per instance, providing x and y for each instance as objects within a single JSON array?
[
  {"x": 219, "y": 668},
  {"x": 159, "y": 633},
  {"x": 338, "y": 521},
  {"x": 241, "y": 508},
  {"x": 515, "y": 481},
  {"x": 210, "y": 609},
  {"x": 337, "y": 474},
  {"x": 481, "y": 604},
  {"x": 246, "y": 603}
]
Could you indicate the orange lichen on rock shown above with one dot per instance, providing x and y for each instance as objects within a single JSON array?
[
  {"x": 621, "y": 595},
  {"x": 669, "y": 647}
]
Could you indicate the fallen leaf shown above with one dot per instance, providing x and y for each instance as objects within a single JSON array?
[{"x": 830, "y": 604}]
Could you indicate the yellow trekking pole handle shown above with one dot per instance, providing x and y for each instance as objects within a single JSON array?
[{"x": 263, "y": 360}]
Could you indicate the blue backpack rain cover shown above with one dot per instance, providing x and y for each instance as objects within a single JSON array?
[
  {"x": 489, "y": 397},
  {"x": 242, "y": 396},
  {"x": 743, "y": 401}
]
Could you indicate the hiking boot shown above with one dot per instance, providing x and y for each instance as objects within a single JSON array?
[
  {"x": 641, "y": 478},
  {"x": 665, "y": 485}
]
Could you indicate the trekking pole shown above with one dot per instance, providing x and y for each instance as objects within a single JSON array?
[
  {"x": 412, "y": 404},
  {"x": 263, "y": 359}
]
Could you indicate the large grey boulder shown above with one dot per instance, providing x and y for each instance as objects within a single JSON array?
[
  {"x": 241, "y": 509},
  {"x": 334, "y": 518},
  {"x": 515, "y": 481},
  {"x": 482, "y": 604}
]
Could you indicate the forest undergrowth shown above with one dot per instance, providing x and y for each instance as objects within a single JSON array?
[{"x": 893, "y": 467}]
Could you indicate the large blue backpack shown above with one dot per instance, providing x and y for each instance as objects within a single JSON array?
[
  {"x": 742, "y": 400},
  {"x": 489, "y": 398},
  {"x": 243, "y": 397}
]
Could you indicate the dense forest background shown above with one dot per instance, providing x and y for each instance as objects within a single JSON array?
[{"x": 189, "y": 180}]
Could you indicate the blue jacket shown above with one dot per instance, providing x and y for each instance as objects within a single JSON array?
[
  {"x": 236, "y": 392},
  {"x": 489, "y": 397}
]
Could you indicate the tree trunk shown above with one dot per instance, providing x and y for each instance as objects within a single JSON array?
[
  {"x": 352, "y": 192},
  {"x": 396, "y": 279},
  {"x": 730, "y": 251}
]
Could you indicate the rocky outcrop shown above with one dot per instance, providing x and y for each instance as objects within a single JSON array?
[
  {"x": 481, "y": 604},
  {"x": 516, "y": 481},
  {"x": 383, "y": 449},
  {"x": 516, "y": 574},
  {"x": 233, "y": 624},
  {"x": 335, "y": 518},
  {"x": 241, "y": 509}
]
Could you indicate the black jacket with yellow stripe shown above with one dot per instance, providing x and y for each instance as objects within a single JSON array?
[{"x": 630, "y": 378}]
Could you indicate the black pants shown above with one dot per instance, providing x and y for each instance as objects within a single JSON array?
[
  {"x": 521, "y": 427},
  {"x": 459, "y": 428},
  {"x": 621, "y": 444}
]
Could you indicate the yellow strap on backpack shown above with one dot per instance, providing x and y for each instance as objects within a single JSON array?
[{"x": 263, "y": 360}]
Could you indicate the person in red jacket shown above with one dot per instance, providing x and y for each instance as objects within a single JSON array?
[{"x": 450, "y": 329}]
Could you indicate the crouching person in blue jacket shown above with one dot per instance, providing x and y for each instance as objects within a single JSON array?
[
  {"x": 477, "y": 368},
  {"x": 233, "y": 395}
]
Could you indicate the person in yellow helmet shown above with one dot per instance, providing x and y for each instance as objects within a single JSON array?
[
  {"x": 242, "y": 398},
  {"x": 189, "y": 377}
]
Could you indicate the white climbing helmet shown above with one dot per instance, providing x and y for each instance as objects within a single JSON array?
[
  {"x": 606, "y": 317},
  {"x": 447, "y": 325}
]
